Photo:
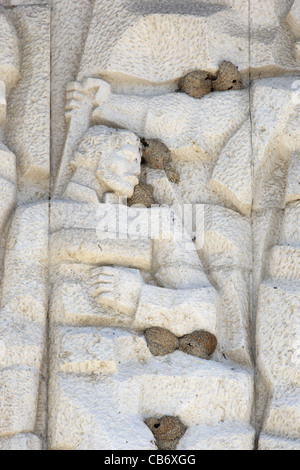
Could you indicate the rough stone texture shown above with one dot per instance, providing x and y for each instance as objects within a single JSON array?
[
  {"x": 220, "y": 437},
  {"x": 14, "y": 3},
  {"x": 69, "y": 27},
  {"x": 172, "y": 39},
  {"x": 268, "y": 442},
  {"x": 28, "y": 122},
  {"x": 21, "y": 442},
  {"x": 293, "y": 18},
  {"x": 97, "y": 298}
]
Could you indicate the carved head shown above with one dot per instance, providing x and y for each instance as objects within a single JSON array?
[
  {"x": 114, "y": 156},
  {"x": 9, "y": 61}
]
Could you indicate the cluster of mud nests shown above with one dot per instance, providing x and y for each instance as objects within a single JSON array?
[
  {"x": 157, "y": 156},
  {"x": 161, "y": 342},
  {"x": 168, "y": 430},
  {"x": 199, "y": 83}
]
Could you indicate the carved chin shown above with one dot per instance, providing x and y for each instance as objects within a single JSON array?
[{"x": 123, "y": 188}]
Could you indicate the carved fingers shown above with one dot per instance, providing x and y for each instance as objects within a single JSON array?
[
  {"x": 91, "y": 92},
  {"x": 75, "y": 98},
  {"x": 117, "y": 288}
]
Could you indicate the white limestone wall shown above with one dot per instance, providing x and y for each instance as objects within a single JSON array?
[{"x": 75, "y": 369}]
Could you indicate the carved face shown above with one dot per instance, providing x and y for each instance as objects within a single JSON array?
[
  {"x": 120, "y": 163},
  {"x": 112, "y": 156}
]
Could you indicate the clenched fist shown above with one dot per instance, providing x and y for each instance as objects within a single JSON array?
[{"x": 118, "y": 288}]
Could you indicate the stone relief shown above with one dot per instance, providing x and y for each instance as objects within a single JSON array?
[
  {"x": 123, "y": 325},
  {"x": 9, "y": 74},
  {"x": 24, "y": 225}
]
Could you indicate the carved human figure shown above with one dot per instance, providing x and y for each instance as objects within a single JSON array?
[
  {"x": 174, "y": 118},
  {"x": 21, "y": 328},
  {"x": 106, "y": 167},
  {"x": 107, "y": 161},
  {"x": 102, "y": 280},
  {"x": 182, "y": 123}
]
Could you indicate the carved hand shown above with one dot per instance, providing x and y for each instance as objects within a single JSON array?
[
  {"x": 118, "y": 288},
  {"x": 91, "y": 92}
]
